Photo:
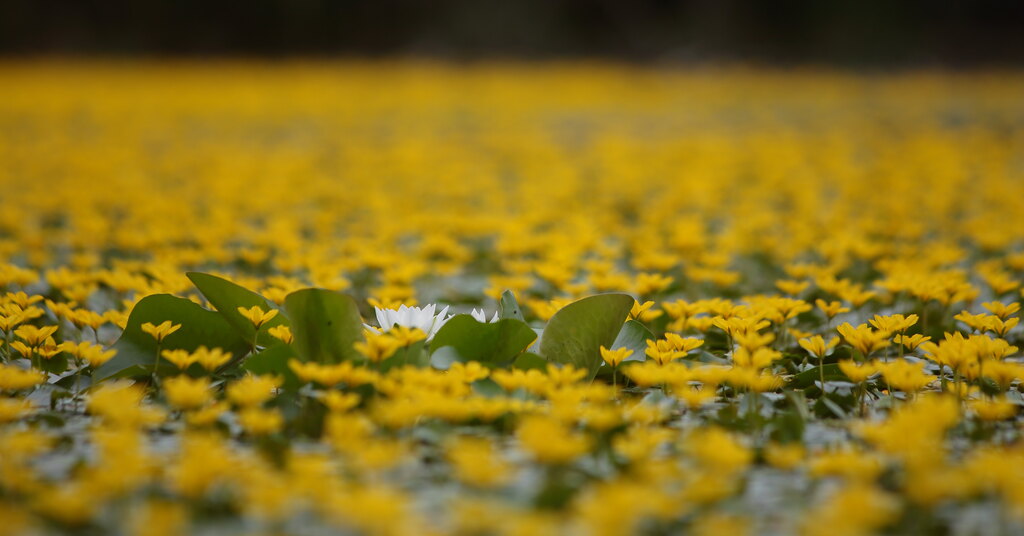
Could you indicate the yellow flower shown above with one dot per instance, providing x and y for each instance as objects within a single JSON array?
[
  {"x": 211, "y": 358},
  {"x": 94, "y": 354},
  {"x": 282, "y": 333},
  {"x": 256, "y": 421},
  {"x": 752, "y": 340},
  {"x": 475, "y": 462},
  {"x": 34, "y": 336},
  {"x": 23, "y": 349},
  {"x": 993, "y": 410},
  {"x": 639, "y": 309},
  {"x": 253, "y": 390},
  {"x": 512, "y": 379},
  {"x": 257, "y": 315},
  {"x": 378, "y": 346},
  {"x": 550, "y": 441},
  {"x": 683, "y": 344},
  {"x": 718, "y": 450},
  {"x": 120, "y": 403},
  {"x": 72, "y": 504},
  {"x": 12, "y": 409},
  {"x": 48, "y": 349},
  {"x": 757, "y": 359},
  {"x": 161, "y": 331},
  {"x": 695, "y": 397},
  {"x": 565, "y": 374},
  {"x": 13, "y": 378},
  {"x": 905, "y": 376},
  {"x": 662, "y": 351},
  {"x": 187, "y": 393},
  {"x": 649, "y": 283},
  {"x": 339, "y": 402},
  {"x": 792, "y": 287},
  {"x": 784, "y": 455},
  {"x": 614, "y": 357},
  {"x": 816, "y": 345},
  {"x": 468, "y": 372},
  {"x": 1000, "y": 309},
  {"x": 893, "y": 323},
  {"x": 857, "y": 373},
  {"x": 206, "y": 416},
  {"x": 862, "y": 338},
  {"x": 406, "y": 335},
  {"x": 831, "y": 309},
  {"x": 179, "y": 358},
  {"x": 911, "y": 342}
]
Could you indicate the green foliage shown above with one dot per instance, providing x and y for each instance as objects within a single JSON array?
[
  {"x": 137, "y": 350},
  {"x": 634, "y": 335},
  {"x": 530, "y": 360},
  {"x": 226, "y": 297},
  {"x": 575, "y": 334},
  {"x": 325, "y": 325},
  {"x": 495, "y": 344},
  {"x": 274, "y": 360},
  {"x": 509, "y": 307},
  {"x": 808, "y": 377}
]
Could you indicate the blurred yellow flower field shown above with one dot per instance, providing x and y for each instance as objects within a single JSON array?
[{"x": 553, "y": 298}]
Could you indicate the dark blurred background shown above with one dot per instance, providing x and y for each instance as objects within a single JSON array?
[{"x": 868, "y": 32}]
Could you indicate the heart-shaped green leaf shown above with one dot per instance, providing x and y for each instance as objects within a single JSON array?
[
  {"x": 494, "y": 343},
  {"x": 325, "y": 325},
  {"x": 575, "y": 334},
  {"x": 136, "y": 349},
  {"x": 226, "y": 297},
  {"x": 634, "y": 336},
  {"x": 274, "y": 360},
  {"x": 509, "y": 307}
]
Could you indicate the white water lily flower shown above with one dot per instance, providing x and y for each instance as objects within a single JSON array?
[
  {"x": 481, "y": 316},
  {"x": 422, "y": 318}
]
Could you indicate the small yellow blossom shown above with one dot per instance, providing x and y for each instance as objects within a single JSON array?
[
  {"x": 857, "y": 373},
  {"x": 257, "y": 315},
  {"x": 187, "y": 393},
  {"x": 831, "y": 309},
  {"x": 816, "y": 345},
  {"x": 161, "y": 331},
  {"x": 253, "y": 390},
  {"x": 614, "y": 357},
  {"x": 34, "y": 336},
  {"x": 260, "y": 422},
  {"x": 282, "y": 333},
  {"x": 378, "y": 346}
]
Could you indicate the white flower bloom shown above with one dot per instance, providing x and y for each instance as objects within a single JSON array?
[
  {"x": 481, "y": 316},
  {"x": 422, "y": 318}
]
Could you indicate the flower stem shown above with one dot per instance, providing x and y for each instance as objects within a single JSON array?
[{"x": 821, "y": 372}]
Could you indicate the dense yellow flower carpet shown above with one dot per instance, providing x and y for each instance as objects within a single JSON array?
[{"x": 509, "y": 299}]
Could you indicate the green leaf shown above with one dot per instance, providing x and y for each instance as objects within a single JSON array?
[
  {"x": 492, "y": 343},
  {"x": 575, "y": 334},
  {"x": 487, "y": 388},
  {"x": 136, "y": 349},
  {"x": 831, "y": 405},
  {"x": 530, "y": 360},
  {"x": 443, "y": 358},
  {"x": 510, "y": 307},
  {"x": 414, "y": 354},
  {"x": 55, "y": 365},
  {"x": 226, "y": 297},
  {"x": 634, "y": 336},
  {"x": 274, "y": 360},
  {"x": 789, "y": 424},
  {"x": 808, "y": 377},
  {"x": 325, "y": 325}
]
